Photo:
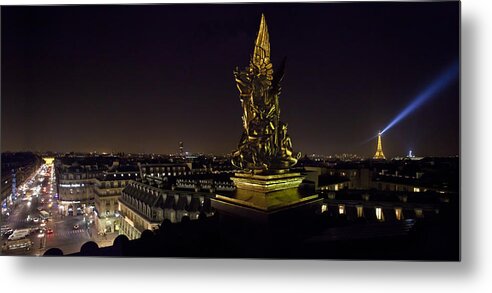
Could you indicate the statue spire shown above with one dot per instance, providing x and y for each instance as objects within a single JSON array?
[
  {"x": 265, "y": 145},
  {"x": 262, "y": 45}
]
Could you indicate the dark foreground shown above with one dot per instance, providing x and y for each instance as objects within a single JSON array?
[{"x": 322, "y": 237}]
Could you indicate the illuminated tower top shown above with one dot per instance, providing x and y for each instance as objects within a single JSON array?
[{"x": 379, "y": 152}]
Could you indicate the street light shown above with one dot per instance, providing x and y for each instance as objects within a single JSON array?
[{"x": 42, "y": 241}]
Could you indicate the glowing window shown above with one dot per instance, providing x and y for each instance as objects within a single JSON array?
[
  {"x": 324, "y": 207},
  {"x": 341, "y": 209},
  {"x": 379, "y": 214},
  {"x": 398, "y": 214},
  {"x": 419, "y": 213},
  {"x": 416, "y": 189},
  {"x": 360, "y": 211}
]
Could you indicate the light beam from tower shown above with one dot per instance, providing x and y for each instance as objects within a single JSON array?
[{"x": 432, "y": 90}]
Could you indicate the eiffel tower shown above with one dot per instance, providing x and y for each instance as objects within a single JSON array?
[{"x": 379, "y": 152}]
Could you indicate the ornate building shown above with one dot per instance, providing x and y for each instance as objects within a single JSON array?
[
  {"x": 144, "y": 206},
  {"x": 107, "y": 190},
  {"x": 75, "y": 178},
  {"x": 206, "y": 183},
  {"x": 164, "y": 169}
]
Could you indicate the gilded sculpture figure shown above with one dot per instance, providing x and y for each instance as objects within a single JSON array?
[{"x": 265, "y": 145}]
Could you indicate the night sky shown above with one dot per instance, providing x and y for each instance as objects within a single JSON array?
[{"x": 135, "y": 78}]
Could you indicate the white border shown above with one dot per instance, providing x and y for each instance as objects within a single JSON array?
[{"x": 473, "y": 274}]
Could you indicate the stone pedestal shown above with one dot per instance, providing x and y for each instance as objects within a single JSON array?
[{"x": 268, "y": 199}]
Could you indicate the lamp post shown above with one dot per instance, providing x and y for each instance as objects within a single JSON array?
[
  {"x": 42, "y": 240},
  {"x": 87, "y": 225}
]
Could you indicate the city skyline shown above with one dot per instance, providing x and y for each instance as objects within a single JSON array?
[
  {"x": 263, "y": 200},
  {"x": 130, "y": 81}
]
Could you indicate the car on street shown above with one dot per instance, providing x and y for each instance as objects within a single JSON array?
[
  {"x": 49, "y": 231},
  {"x": 7, "y": 231},
  {"x": 18, "y": 244},
  {"x": 19, "y": 234},
  {"x": 76, "y": 227},
  {"x": 35, "y": 220},
  {"x": 5, "y": 228}
]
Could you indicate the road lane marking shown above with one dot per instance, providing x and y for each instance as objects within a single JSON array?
[{"x": 66, "y": 234}]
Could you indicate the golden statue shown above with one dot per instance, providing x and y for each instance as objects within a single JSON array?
[{"x": 264, "y": 146}]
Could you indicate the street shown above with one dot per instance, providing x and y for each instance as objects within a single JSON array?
[{"x": 36, "y": 198}]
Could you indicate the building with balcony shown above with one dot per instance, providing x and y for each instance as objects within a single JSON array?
[
  {"x": 166, "y": 169},
  {"x": 381, "y": 206},
  {"x": 75, "y": 180},
  {"x": 107, "y": 190},
  {"x": 205, "y": 183},
  {"x": 144, "y": 206}
]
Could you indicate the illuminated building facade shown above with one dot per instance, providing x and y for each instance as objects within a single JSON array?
[
  {"x": 75, "y": 178},
  {"x": 205, "y": 183},
  {"x": 381, "y": 206},
  {"x": 107, "y": 190},
  {"x": 76, "y": 188},
  {"x": 163, "y": 169},
  {"x": 144, "y": 206},
  {"x": 24, "y": 164},
  {"x": 344, "y": 175}
]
